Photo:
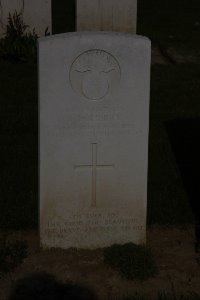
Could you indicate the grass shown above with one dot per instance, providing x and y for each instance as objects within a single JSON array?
[
  {"x": 131, "y": 261},
  {"x": 12, "y": 254},
  {"x": 18, "y": 148},
  {"x": 163, "y": 296},
  {"x": 175, "y": 93},
  {"x": 43, "y": 286},
  {"x": 170, "y": 23}
]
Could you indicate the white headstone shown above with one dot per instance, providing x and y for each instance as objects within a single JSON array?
[
  {"x": 106, "y": 15},
  {"x": 36, "y": 14},
  {"x": 94, "y": 115}
]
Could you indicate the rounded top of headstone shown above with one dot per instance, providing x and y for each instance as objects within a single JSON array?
[{"x": 92, "y": 34}]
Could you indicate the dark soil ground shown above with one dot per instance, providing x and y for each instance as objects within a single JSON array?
[{"x": 173, "y": 248}]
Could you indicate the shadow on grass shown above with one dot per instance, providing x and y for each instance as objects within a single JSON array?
[
  {"x": 19, "y": 146},
  {"x": 164, "y": 296},
  {"x": 44, "y": 286},
  {"x": 171, "y": 23},
  {"x": 184, "y": 135},
  {"x": 63, "y": 16},
  {"x": 185, "y": 140},
  {"x": 175, "y": 93},
  {"x": 131, "y": 261}
]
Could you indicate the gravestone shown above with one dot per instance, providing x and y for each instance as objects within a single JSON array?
[
  {"x": 94, "y": 114},
  {"x": 106, "y": 15},
  {"x": 36, "y": 14}
]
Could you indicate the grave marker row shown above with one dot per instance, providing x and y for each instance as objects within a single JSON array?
[{"x": 112, "y": 15}]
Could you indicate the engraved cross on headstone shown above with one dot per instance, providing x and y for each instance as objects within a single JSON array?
[{"x": 94, "y": 166}]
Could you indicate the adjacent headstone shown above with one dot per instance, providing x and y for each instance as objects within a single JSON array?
[
  {"x": 94, "y": 115},
  {"x": 106, "y": 15},
  {"x": 36, "y": 14}
]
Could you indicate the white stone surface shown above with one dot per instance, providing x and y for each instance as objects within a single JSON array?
[
  {"x": 106, "y": 15},
  {"x": 36, "y": 14},
  {"x": 94, "y": 116}
]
